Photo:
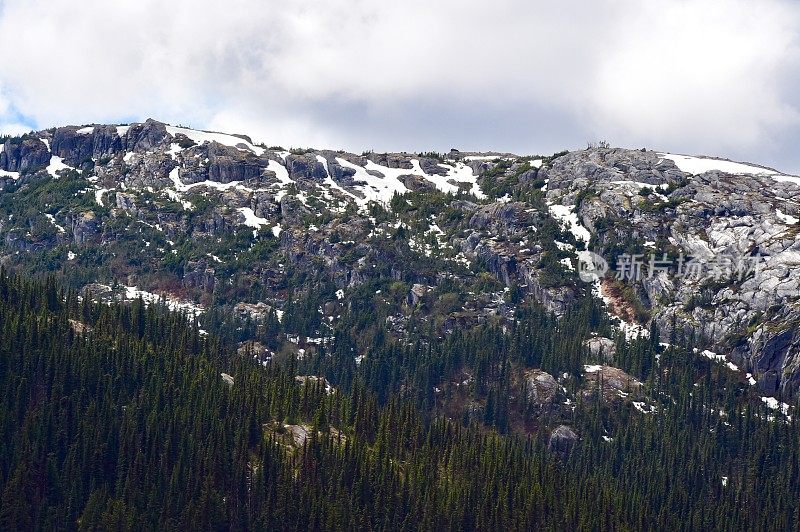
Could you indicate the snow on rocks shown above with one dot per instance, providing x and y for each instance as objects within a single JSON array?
[
  {"x": 698, "y": 165},
  {"x": 565, "y": 215},
  {"x": 172, "y": 303},
  {"x": 313, "y": 379},
  {"x": 256, "y": 222},
  {"x": 643, "y": 407},
  {"x": 201, "y": 137},
  {"x": 774, "y": 404},
  {"x": 786, "y": 218},
  {"x": 56, "y": 165},
  {"x": 380, "y": 189},
  {"x": 719, "y": 358},
  {"x": 461, "y": 173},
  {"x": 52, "y": 219}
]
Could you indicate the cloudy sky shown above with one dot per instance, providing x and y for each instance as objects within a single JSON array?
[{"x": 527, "y": 76}]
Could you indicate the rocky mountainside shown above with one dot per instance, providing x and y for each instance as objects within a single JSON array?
[{"x": 436, "y": 242}]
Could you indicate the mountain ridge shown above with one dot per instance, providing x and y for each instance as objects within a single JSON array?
[{"x": 219, "y": 220}]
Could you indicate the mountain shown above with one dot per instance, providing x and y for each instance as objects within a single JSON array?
[
  {"x": 215, "y": 220},
  {"x": 204, "y": 332}
]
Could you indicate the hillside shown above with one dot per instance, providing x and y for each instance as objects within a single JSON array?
[
  {"x": 320, "y": 330},
  {"x": 454, "y": 240},
  {"x": 125, "y": 417}
]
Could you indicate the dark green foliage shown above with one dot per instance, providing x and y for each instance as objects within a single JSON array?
[{"x": 116, "y": 417}]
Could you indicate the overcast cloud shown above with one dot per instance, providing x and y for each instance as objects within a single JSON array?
[{"x": 713, "y": 77}]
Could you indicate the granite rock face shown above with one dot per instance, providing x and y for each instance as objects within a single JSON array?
[
  {"x": 740, "y": 229},
  {"x": 24, "y": 155}
]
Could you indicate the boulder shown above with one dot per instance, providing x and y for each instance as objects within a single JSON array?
[
  {"x": 541, "y": 388},
  {"x": 305, "y": 167},
  {"x": 562, "y": 440},
  {"x": 601, "y": 347},
  {"x": 416, "y": 182},
  {"x": 612, "y": 383}
]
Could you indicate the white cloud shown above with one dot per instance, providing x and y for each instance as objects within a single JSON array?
[
  {"x": 13, "y": 128},
  {"x": 698, "y": 74},
  {"x": 687, "y": 75}
]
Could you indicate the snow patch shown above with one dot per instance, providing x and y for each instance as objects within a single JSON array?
[
  {"x": 787, "y": 218},
  {"x": 462, "y": 173},
  {"x": 698, "y": 165},
  {"x": 98, "y": 196},
  {"x": 251, "y": 220},
  {"x": 53, "y": 221},
  {"x": 774, "y": 404},
  {"x": 172, "y": 303},
  {"x": 201, "y": 137},
  {"x": 56, "y": 165},
  {"x": 12, "y": 175},
  {"x": 719, "y": 358},
  {"x": 380, "y": 189},
  {"x": 564, "y": 214},
  {"x": 482, "y": 157},
  {"x": 280, "y": 172}
]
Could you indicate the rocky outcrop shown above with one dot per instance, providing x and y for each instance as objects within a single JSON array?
[
  {"x": 79, "y": 145},
  {"x": 305, "y": 167},
  {"x": 503, "y": 217},
  {"x": 416, "y": 183},
  {"x": 391, "y": 160},
  {"x": 740, "y": 230},
  {"x": 562, "y": 440},
  {"x": 198, "y": 275},
  {"x": 23, "y": 155},
  {"x": 85, "y": 228},
  {"x": 603, "y": 348},
  {"x": 540, "y": 387},
  {"x": 610, "y": 383},
  {"x": 230, "y": 164},
  {"x": 587, "y": 168}
]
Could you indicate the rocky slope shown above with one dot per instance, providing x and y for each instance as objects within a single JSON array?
[
  {"x": 451, "y": 240},
  {"x": 736, "y": 228}
]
